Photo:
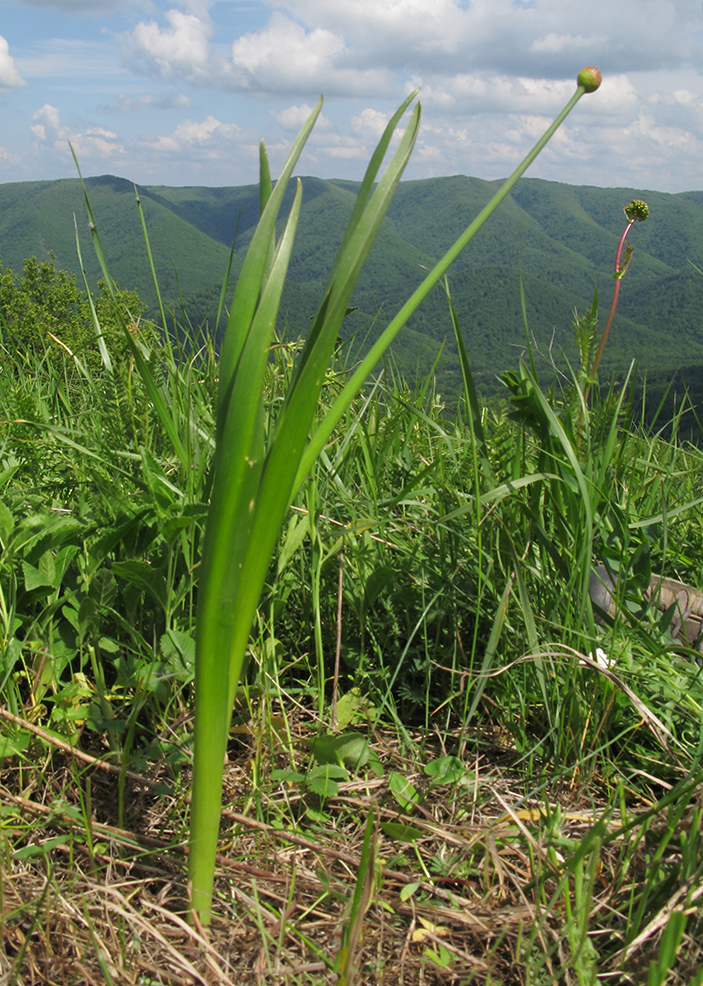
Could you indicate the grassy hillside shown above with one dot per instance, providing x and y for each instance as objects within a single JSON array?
[
  {"x": 371, "y": 691},
  {"x": 551, "y": 797},
  {"x": 562, "y": 237}
]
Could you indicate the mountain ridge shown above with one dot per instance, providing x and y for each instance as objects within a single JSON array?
[{"x": 561, "y": 239}]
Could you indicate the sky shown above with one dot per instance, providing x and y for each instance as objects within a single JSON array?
[{"x": 180, "y": 92}]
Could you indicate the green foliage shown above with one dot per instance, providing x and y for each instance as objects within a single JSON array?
[
  {"x": 43, "y": 312},
  {"x": 467, "y": 539},
  {"x": 451, "y": 570},
  {"x": 586, "y": 335}
]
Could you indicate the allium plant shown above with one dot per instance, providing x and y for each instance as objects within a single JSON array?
[{"x": 256, "y": 475}]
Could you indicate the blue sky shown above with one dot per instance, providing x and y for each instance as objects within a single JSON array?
[{"x": 180, "y": 92}]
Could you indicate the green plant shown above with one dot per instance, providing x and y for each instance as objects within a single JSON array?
[
  {"x": 636, "y": 211},
  {"x": 254, "y": 479}
]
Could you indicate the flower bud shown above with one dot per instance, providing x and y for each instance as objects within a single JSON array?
[
  {"x": 637, "y": 211},
  {"x": 590, "y": 78}
]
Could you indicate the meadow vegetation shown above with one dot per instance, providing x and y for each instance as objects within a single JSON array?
[{"x": 432, "y": 775}]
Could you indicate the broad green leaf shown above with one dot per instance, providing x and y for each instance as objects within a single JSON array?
[
  {"x": 103, "y": 588},
  {"x": 353, "y": 707},
  {"x": 174, "y": 525},
  {"x": 442, "y": 957},
  {"x": 7, "y": 522},
  {"x": 13, "y": 743},
  {"x": 144, "y": 576},
  {"x": 179, "y": 650},
  {"x": 86, "y": 616},
  {"x": 324, "y": 779},
  {"x": 287, "y": 777},
  {"x": 410, "y": 888},
  {"x": 350, "y": 748},
  {"x": 41, "y": 577},
  {"x": 401, "y": 833},
  {"x": 42, "y": 849},
  {"x": 445, "y": 770},
  {"x": 404, "y": 791}
]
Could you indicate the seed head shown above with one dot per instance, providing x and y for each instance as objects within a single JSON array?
[{"x": 590, "y": 78}]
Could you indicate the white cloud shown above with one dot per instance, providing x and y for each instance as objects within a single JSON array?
[
  {"x": 282, "y": 57},
  {"x": 284, "y": 47},
  {"x": 8, "y": 158},
  {"x": 285, "y": 57},
  {"x": 493, "y": 49},
  {"x": 294, "y": 117},
  {"x": 543, "y": 39},
  {"x": 485, "y": 93},
  {"x": 370, "y": 123},
  {"x": 128, "y": 104},
  {"x": 9, "y": 76},
  {"x": 686, "y": 98},
  {"x": 181, "y": 50},
  {"x": 209, "y": 135},
  {"x": 558, "y": 43},
  {"x": 94, "y": 142},
  {"x": 48, "y": 116}
]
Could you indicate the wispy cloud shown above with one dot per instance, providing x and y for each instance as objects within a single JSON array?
[{"x": 131, "y": 104}]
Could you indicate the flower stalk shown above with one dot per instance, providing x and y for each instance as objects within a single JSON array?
[{"x": 636, "y": 211}]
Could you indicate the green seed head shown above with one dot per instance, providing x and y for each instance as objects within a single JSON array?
[
  {"x": 590, "y": 78},
  {"x": 637, "y": 211}
]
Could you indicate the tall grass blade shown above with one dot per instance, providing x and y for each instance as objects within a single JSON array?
[
  {"x": 142, "y": 366},
  {"x": 470, "y": 395},
  {"x": 102, "y": 347},
  {"x": 145, "y": 234}
]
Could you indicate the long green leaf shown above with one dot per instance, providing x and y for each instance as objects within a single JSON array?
[
  {"x": 358, "y": 378},
  {"x": 292, "y": 428},
  {"x": 220, "y": 615},
  {"x": 246, "y": 297},
  {"x": 142, "y": 366}
]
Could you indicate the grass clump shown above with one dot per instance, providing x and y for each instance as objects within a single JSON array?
[{"x": 428, "y": 775}]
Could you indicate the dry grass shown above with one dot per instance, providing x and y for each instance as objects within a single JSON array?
[{"x": 474, "y": 899}]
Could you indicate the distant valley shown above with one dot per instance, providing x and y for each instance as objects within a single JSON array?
[{"x": 562, "y": 237}]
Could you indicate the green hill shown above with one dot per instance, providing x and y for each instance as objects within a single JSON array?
[{"x": 562, "y": 238}]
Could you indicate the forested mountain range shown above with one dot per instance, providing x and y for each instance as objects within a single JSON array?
[{"x": 559, "y": 239}]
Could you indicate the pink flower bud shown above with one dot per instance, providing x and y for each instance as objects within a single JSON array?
[{"x": 590, "y": 78}]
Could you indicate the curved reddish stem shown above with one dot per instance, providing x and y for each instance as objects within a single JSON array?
[{"x": 613, "y": 305}]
